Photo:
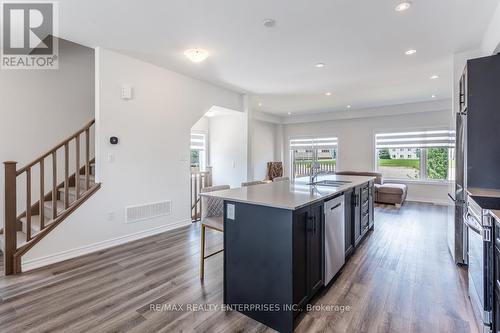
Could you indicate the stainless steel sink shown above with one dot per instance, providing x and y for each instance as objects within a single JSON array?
[{"x": 333, "y": 183}]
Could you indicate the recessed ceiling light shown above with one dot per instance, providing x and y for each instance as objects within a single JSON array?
[
  {"x": 434, "y": 77},
  {"x": 289, "y": 113},
  {"x": 328, "y": 94},
  {"x": 433, "y": 96},
  {"x": 269, "y": 23},
  {"x": 410, "y": 52},
  {"x": 196, "y": 55},
  {"x": 402, "y": 6},
  {"x": 349, "y": 106},
  {"x": 319, "y": 65},
  {"x": 260, "y": 104}
]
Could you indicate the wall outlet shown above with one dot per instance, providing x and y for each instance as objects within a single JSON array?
[{"x": 111, "y": 157}]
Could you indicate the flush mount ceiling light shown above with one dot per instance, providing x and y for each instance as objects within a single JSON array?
[
  {"x": 289, "y": 113},
  {"x": 433, "y": 96},
  {"x": 319, "y": 65},
  {"x": 269, "y": 23},
  {"x": 349, "y": 106},
  {"x": 196, "y": 55},
  {"x": 328, "y": 94},
  {"x": 402, "y": 6},
  {"x": 259, "y": 104},
  {"x": 410, "y": 52},
  {"x": 434, "y": 77}
]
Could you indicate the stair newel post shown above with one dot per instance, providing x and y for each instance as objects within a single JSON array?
[
  {"x": 66, "y": 175},
  {"x": 41, "y": 205},
  {"x": 10, "y": 227},
  {"x": 28, "y": 204},
  {"x": 209, "y": 171},
  {"x": 77, "y": 166}
]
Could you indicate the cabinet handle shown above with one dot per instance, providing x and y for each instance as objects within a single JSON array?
[{"x": 310, "y": 220}]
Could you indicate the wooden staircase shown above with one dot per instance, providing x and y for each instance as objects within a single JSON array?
[{"x": 21, "y": 232}]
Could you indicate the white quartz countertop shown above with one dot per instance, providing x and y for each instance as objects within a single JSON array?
[
  {"x": 483, "y": 192},
  {"x": 496, "y": 214},
  {"x": 289, "y": 194}
]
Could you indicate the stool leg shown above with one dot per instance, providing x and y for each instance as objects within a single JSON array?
[{"x": 202, "y": 253}]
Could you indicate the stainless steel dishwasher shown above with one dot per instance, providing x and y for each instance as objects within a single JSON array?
[{"x": 334, "y": 237}]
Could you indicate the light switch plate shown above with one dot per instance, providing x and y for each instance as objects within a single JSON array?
[
  {"x": 230, "y": 211},
  {"x": 126, "y": 92}
]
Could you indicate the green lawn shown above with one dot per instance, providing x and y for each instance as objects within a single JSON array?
[{"x": 400, "y": 163}]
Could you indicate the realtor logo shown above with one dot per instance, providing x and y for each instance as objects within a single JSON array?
[{"x": 28, "y": 30}]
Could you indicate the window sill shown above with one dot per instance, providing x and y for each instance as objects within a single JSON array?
[{"x": 418, "y": 182}]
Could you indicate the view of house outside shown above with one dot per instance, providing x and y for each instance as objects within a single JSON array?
[{"x": 405, "y": 163}]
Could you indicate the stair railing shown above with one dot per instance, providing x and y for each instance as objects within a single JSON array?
[
  {"x": 199, "y": 180},
  {"x": 12, "y": 224}
]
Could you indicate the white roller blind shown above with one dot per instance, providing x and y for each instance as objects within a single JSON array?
[
  {"x": 311, "y": 143},
  {"x": 198, "y": 141},
  {"x": 417, "y": 139}
]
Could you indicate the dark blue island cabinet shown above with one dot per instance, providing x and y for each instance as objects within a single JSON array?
[{"x": 273, "y": 260}]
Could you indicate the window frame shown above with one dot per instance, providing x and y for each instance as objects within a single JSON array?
[
  {"x": 203, "y": 161},
  {"x": 423, "y": 158},
  {"x": 311, "y": 137}
]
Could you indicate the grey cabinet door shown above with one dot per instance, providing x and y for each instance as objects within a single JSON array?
[
  {"x": 349, "y": 222},
  {"x": 300, "y": 243},
  {"x": 356, "y": 214},
  {"x": 316, "y": 248}
]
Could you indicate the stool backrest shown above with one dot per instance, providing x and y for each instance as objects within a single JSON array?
[{"x": 212, "y": 206}]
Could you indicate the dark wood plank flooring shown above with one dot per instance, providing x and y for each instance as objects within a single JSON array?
[{"x": 402, "y": 279}]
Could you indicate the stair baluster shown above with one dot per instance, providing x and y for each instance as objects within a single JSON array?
[
  {"x": 28, "y": 204},
  {"x": 41, "y": 206}
]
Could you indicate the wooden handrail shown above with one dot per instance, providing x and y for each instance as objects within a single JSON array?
[
  {"x": 61, "y": 144},
  {"x": 13, "y": 250}
]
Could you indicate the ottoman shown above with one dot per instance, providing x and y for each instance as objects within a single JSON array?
[{"x": 390, "y": 193}]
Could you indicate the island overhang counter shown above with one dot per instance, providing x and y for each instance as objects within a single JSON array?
[{"x": 274, "y": 243}]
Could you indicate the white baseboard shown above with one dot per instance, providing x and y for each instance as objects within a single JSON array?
[{"x": 80, "y": 251}]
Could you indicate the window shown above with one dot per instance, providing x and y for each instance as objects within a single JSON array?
[
  {"x": 198, "y": 152},
  {"x": 305, "y": 151},
  {"x": 430, "y": 155}
]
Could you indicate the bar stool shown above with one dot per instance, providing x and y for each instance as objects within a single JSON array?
[{"x": 212, "y": 211}]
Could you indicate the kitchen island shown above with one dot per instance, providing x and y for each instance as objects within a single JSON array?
[{"x": 274, "y": 242}]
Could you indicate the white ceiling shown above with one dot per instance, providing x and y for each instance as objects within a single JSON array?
[{"x": 362, "y": 44}]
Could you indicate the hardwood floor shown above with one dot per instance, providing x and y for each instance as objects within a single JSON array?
[{"x": 402, "y": 279}]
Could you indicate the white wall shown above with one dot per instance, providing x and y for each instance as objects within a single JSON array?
[
  {"x": 201, "y": 125},
  {"x": 357, "y": 148},
  {"x": 151, "y": 162},
  {"x": 263, "y": 147},
  {"x": 40, "y": 108},
  {"x": 228, "y": 149},
  {"x": 491, "y": 40}
]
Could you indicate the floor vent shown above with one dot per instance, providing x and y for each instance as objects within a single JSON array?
[{"x": 147, "y": 211}]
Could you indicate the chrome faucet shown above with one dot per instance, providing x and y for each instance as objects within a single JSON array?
[{"x": 315, "y": 172}]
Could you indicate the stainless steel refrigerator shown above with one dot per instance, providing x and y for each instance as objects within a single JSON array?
[
  {"x": 457, "y": 230},
  {"x": 477, "y": 144}
]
